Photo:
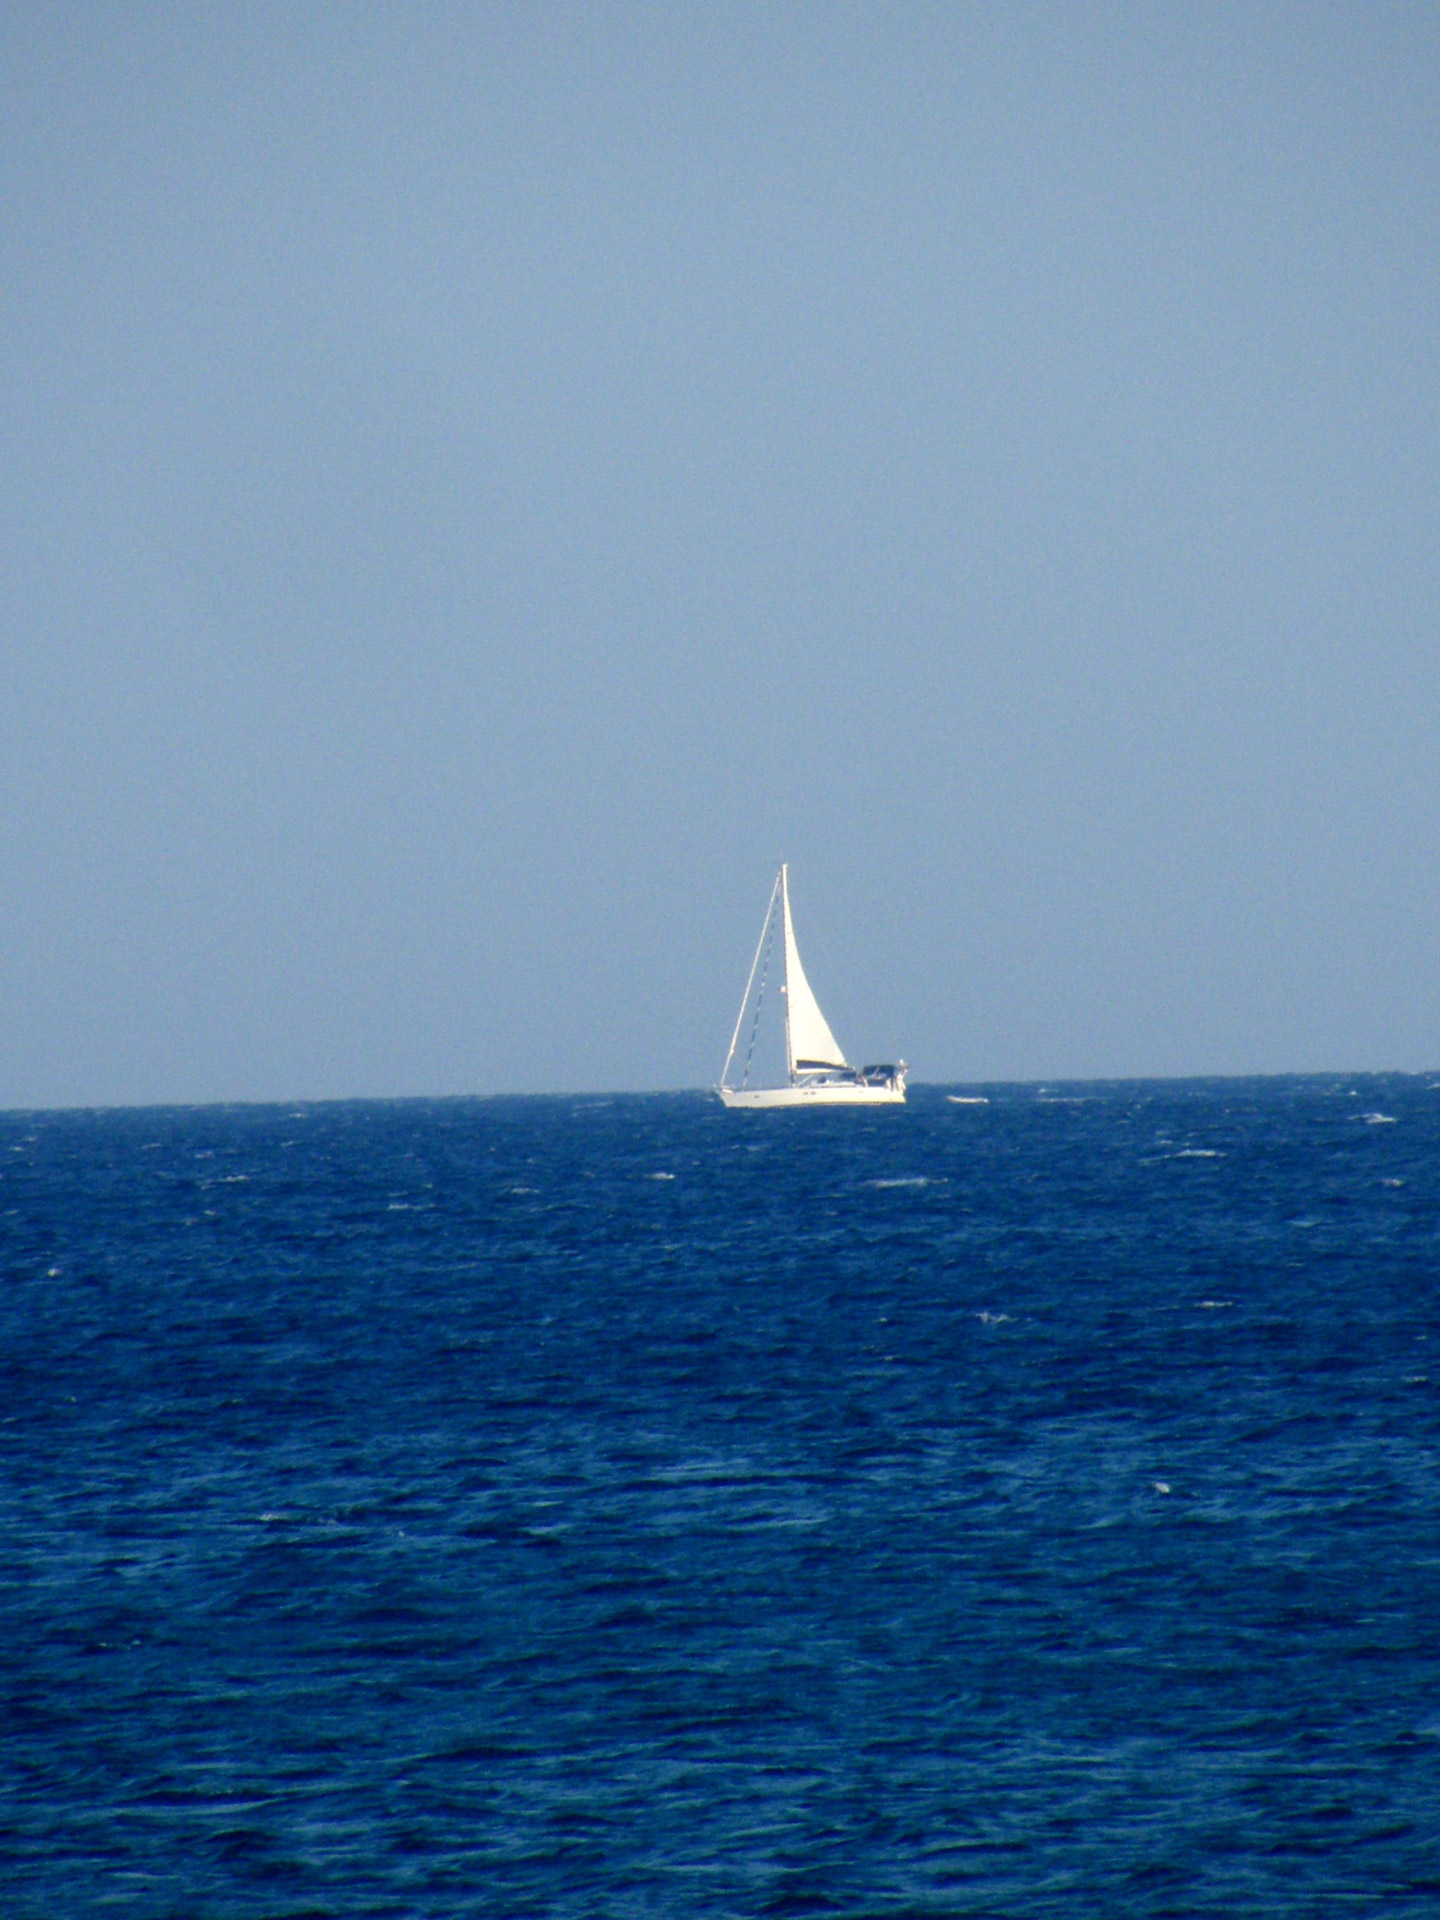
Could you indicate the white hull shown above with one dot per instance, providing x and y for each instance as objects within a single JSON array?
[{"x": 812, "y": 1096}]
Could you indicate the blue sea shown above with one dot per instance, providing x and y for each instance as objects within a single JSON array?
[{"x": 620, "y": 1507}]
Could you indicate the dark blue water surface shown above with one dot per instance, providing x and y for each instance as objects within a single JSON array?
[{"x": 625, "y": 1507}]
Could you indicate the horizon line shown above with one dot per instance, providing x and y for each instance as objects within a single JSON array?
[{"x": 1040, "y": 1081}]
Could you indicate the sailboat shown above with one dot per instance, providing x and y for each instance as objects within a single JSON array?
[{"x": 819, "y": 1073}]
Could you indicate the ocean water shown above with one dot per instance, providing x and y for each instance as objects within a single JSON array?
[{"x": 623, "y": 1507}]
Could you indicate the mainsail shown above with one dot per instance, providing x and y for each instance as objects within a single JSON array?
[{"x": 808, "y": 1039}]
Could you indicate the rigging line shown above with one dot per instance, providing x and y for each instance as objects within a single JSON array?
[
  {"x": 750, "y": 981},
  {"x": 760, "y": 995}
]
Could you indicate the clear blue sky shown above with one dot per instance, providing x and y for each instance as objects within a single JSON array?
[{"x": 479, "y": 485}]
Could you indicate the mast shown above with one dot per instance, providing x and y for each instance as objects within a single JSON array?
[{"x": 784, "y": 885}]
